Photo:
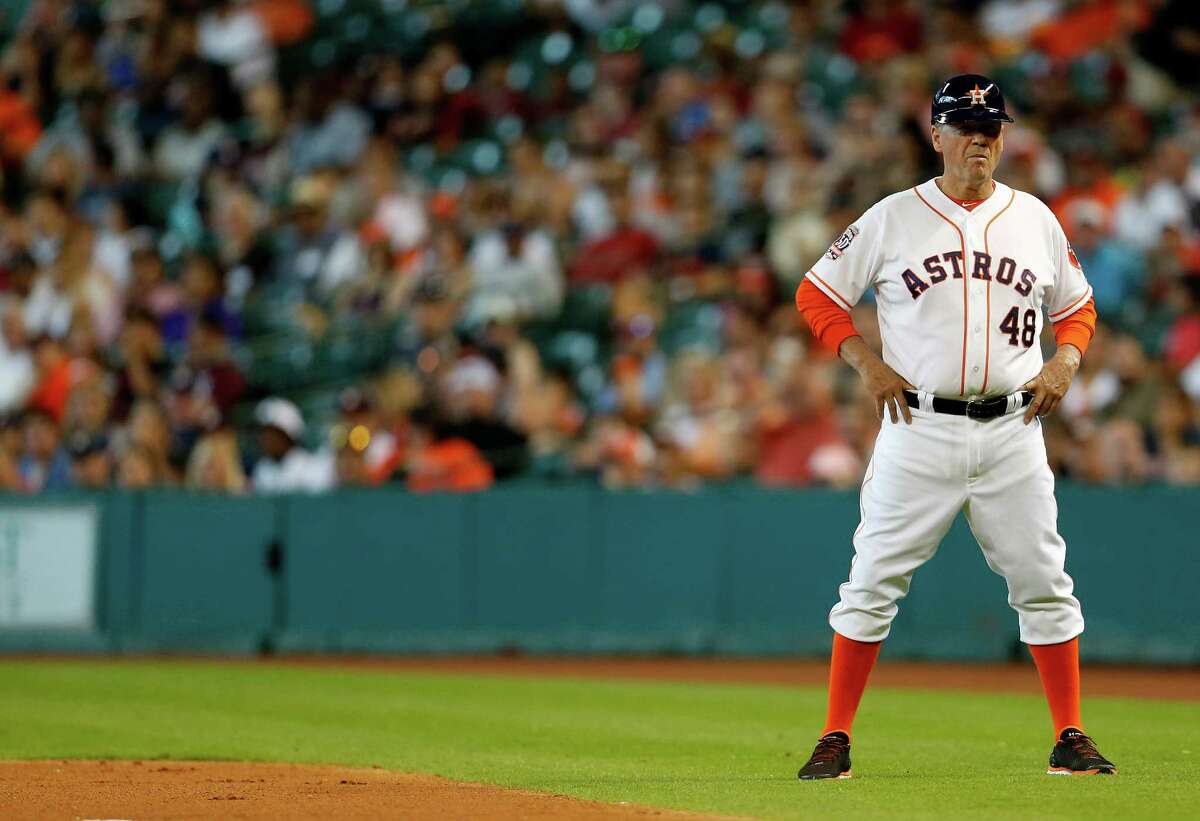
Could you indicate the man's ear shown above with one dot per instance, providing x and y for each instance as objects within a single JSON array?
[{"x": 936, "y": 136}]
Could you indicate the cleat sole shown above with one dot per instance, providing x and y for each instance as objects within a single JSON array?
[
  {"x": 1096, "y": 771},
  {"x": 842, "y": 777}
]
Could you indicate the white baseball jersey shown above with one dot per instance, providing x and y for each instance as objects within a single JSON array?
[{"x": 960, "y": 293}]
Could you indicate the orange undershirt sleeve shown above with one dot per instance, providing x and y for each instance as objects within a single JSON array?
[
  {"x": 830, "y": 323},
  {"x": 1078, "y": 328}
]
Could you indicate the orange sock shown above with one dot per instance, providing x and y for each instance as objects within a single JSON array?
[
  {"x": 1058, "y": 666},
  {"x": 849, "y": 667}
]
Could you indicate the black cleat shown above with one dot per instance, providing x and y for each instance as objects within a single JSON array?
[
  {"x": 831, "y": 758},
  {"x": 1076, "y": 754}
]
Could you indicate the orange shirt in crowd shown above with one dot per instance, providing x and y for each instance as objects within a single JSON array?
[
  {"x": 449, "y": 465},
  {"x": 1089, "y": 26},
  {"x": 19, "y": 126},
  {"x": 52, "y": 392},
  {"x": 1105, "y": 191},
  {"x": 286, "y": 21}
]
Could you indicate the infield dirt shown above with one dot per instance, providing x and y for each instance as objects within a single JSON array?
[{"x": 39, "y": 790}]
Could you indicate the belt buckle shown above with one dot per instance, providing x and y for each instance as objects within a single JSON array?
[{"x": 977, "y": 410}]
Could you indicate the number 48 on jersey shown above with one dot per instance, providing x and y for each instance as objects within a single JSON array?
[{"x": 1027, "y": 331}]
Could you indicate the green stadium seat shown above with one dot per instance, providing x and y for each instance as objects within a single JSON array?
[
  {"x": 588, "y": 308},
  {"x": 280, "y": 362},
  {"x": 692, "y": 326}
]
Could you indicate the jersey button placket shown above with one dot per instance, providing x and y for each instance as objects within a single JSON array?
[{"x": 977, "y": 291}]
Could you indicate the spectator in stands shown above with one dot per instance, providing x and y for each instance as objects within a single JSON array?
[
  {"x": 1175, "y": 439},
  {"x": 1183, "y": 337},
  {"x": 91, "y": 462},
  {"x": 89, "y": 408},
  {"x": 285, "y": 466},
  {"x": 143, "y": 364},
  {"x": 798, "y": 436},
  {"x": 329, "y": 130},
  {"x": 215, "y": 463},
  {"x": 471, "y": 404},
  {"x": 700, "y": 424},
  {"x": 150, "y": 434},
  {"x": 56, "y": 375},
  {"x": 351, "y": 466},
  {"x": 150, "y": 293},
  {"x": 374, "y": 449},
  {"x": 50, "y": 304},
  {"x": 11, "y": 444},
  {"x": 235, "y": 35},
  {"x": 625, "y": 250},
  {"x": 639, "y": 369},
  {"x": 45, "y": 464},
  {"x": 316, "y": 253},
  {"x": 185, "y": 148},
  {"x": 93, "y": 293},
  {"x": 553, "y": 416},
  {"x": 239, "y": 220},
  {"x": 443, "y": 463},
  {"x": 209, "y": 375},
  {"x": 427, "y": 342},
  {"x": 203, "y": 295},
  {"x": 395, "y": 204},
  {"x": 16, "y": 360},
  {"x": 136, "y": 469},
  {"x": 514, "y": 271},
  {"x": 621, "y": 454},
  {"x": 1115, "y": 270}
]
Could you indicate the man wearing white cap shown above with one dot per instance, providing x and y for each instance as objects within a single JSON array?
[{"x": 285, "y": 466}]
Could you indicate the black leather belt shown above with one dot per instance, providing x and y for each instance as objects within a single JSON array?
[{"x": 978, "y": 409}]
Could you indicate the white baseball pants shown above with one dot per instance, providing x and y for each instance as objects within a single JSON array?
[{"x": 919, "y": 478}]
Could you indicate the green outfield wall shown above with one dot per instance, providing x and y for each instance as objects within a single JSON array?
[{"x": 568, "y": 569}]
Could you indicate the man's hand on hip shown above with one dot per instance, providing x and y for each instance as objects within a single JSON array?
[
  {"x": 884, "y": 384},
  {"x": 1050, "y": 386}
]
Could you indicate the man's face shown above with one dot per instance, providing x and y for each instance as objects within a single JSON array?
[
  {"x": 309, "y": 220},
  {"x": 94, "y": 470},
  {"x": 201, "y": 281},
  {"x": 41, "y": 437},
  {"x": 971, "y": 149},
  {"x": 12, "y": 326},
  {"x": 274, "y": 443}
]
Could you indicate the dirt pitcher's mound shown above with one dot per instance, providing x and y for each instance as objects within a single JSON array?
[{"x": 191, "y": 789}]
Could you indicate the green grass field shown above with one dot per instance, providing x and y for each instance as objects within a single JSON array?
[{"x": 730, "y": 749}]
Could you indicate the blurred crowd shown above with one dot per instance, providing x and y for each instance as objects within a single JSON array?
[{"x": 281, "y": 245}]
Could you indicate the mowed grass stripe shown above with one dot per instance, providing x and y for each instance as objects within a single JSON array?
[{"x": 730, "y": 749}]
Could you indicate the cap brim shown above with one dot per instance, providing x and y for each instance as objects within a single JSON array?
[{"x": 975, "y": 112}]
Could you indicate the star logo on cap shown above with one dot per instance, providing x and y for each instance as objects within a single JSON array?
[{"x": 979, "y": 95}]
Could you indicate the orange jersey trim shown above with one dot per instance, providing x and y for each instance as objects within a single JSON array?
[
  {"x": 1067, "y": 309},
  {"x": 962, "y": 390},
  {"x": 987, "y": 356},
  {"x": 845, "y": 302}
]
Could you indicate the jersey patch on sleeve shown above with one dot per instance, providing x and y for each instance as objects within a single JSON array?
[{"x": 842, "y": 243}]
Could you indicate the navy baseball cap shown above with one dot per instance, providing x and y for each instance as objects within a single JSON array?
[{"x": 968, "y": 97}]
